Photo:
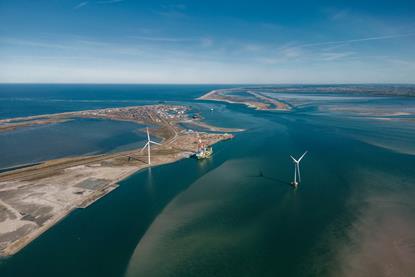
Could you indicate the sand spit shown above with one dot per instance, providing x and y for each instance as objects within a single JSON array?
[{"x": 258, "y": 101}]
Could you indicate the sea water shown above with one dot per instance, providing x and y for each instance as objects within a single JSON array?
[{"x": 236, "y": 213}]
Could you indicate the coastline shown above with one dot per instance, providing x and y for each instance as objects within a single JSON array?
[
  {"x": 35, "y": 198},
  {"x": 260, "y": 102},
  {"x": 19, "y": 244},
  {"x": 124, "y": 171}
]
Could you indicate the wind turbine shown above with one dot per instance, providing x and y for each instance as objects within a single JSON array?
[
  {"x": 297, "y": 169},
  {"x": 149, "y": 142}
]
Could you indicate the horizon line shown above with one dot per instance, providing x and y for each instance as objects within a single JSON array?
[{"x": 227, "y": 84}]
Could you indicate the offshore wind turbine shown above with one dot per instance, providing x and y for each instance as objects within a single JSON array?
[
  {"x": 297, "y": 169},
  {"x": 148, "y": 144}
]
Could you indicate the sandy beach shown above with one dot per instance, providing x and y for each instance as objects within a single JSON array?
[{"x": 258, "y": 102}]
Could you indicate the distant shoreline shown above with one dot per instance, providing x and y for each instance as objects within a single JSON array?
[{"x": 257, "y": 101}]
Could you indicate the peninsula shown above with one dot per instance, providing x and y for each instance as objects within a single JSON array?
[{"x": 34, "y": 198}]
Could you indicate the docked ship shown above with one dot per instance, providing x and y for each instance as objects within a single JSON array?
[{"x": 203, "y": 151}]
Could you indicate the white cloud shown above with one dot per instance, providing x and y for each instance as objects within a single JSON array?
[
  {"x": 333, "y": 56},
  {"x": 164, "y": 39},
  {"x": 81, "y": 5},
  {"x": 34, "y": 43},
  {"x": 109, "y": 1},
  {"x": 172, "y": 11},
  {"x": 384, "y": 37},
  {"x": 85, "y": 3}
]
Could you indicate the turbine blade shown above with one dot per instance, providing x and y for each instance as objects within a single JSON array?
[
  {"x": 154, "y": 142},
  {"x": 302, "y": 156},
  {"x": 148, "y": 135},
  {"x": 299, "y": 176},
  {"x": 293, "y": 159}
]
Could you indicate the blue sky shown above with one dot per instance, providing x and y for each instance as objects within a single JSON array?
[{"x": 127, "y": 41}]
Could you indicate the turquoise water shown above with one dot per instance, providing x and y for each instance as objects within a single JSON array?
[{"x": 236, "y": 214}]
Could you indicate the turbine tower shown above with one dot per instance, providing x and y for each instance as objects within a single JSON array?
[
  {"x": 149, "y": 142},
  {"x": 297, "y": 169}
]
